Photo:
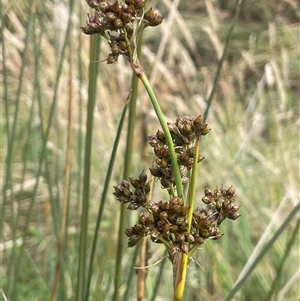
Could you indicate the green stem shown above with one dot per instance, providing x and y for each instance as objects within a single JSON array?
[
  {"x": 141, "y": 75},
  {"x": 131, "y": 273},
  {"x": 180, "y": 261},
  {"x": 93, "y": 72},
  {"x": 222, "y": 59},
  {"x": 126, "y": 173},
  {"x": 10, "y": 146},
  {"x": 279, "y": 270},
  {"x": 192, "y": 186},
  {"x": 103, "y": 198}
]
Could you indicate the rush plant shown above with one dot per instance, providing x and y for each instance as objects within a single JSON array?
[{"x": 176, "y": 221}]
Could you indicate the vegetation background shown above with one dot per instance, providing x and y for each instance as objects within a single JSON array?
[{"x": 253, "y": 145}]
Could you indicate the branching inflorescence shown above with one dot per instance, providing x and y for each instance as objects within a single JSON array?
[
  {"x": 173, "y": 222},
  {"x": 167, "y": 221}
]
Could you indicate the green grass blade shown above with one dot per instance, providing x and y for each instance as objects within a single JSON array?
[
  {"x": 104, "y": 194},
  {"x": 80, "y": 139},
  {"x": 43, "y": 152},
  {"x": 92, "y": 93},
  {"x": 5, "y": 77},
  {"x": 11, "y": 135},
  {"x": 259, "y": 257},
  {"x": 223, "y": 58},
  {"x": 59, "y": 270},
  {"x": 273, "y": 290},
  {"x": 132, "y": 271},
  {"x": 12, "y": 267},
  {"x": 126, "y": 173}
]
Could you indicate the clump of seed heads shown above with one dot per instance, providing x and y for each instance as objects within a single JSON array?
[
  {"x": 119, "y": 23},
  {"x": 167, "y": 221}
]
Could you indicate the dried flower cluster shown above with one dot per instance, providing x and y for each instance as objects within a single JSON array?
[
  {"x": 114, "y": 21},
  {"x": 184, "y": 132},
  {"x": 137, "y": 198},
  {"x": 167, "y": 221}
]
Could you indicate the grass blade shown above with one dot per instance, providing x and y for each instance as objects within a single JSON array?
[
  {"x": 93, "y": 74},
  {"x": 259, "y": 257},
  {"x": 224, "y": 55},
  {"x": 126, "y": 173},
  {"x": 104, "y": 194},
  {"x": 65, "y": 202}
]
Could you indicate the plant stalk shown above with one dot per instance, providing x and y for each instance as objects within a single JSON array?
[
  {"x": 141, "y": 75},
  {"x": 180, "y": 260},
  {"x": 65, "y": 202},
  {"x": 93, "y": 74}
]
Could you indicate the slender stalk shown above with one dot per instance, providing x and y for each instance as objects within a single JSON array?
[
  {"x": 61, "y": 241},
  {"x": 11, "y": 270},
  {"x": 130, "y": 274},
  {"x": 126, "y": 173},
  {"x": 221, "y": 62},
  {"x": 193, "y": 182},
  {"x": 5, "y": 77},
  {"x": 286, "y": 253},
  {"x": 140, "y": 73},
  {"x": 11, "y": 137},
  {"x": 93, "y": 74},
  {"x": 104, "y": 194},
  {"x": 9, "y": 158},
  {"x": 180, "y": 261},
  {"x": 142, "y": 273},
  {"x": 79, "y": 122},
  {"x": 143, "y": 247}
]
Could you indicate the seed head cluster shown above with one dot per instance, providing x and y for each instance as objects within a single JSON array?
[
  {"x": 136, "y": 198},
  {"x": 114, "y": 21},
  {"x": 184, "y": 132},
  {"x": 167, "y": 221}
]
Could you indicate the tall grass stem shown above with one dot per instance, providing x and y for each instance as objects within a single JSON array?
[
  {"x": 126, "y": 172},
  {"x": 92, "y": 94},
  {"x": 179, "y": 279},
  {"x": 222, "y": 60},
  {"x": 288, "y": 249},
  {"x": 104, "y": 195},
  {"x": 166, "y": 131},
  {"x": 65, "y": 200}
]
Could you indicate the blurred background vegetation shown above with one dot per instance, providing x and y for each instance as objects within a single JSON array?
[{"x": 253, "y": 145}]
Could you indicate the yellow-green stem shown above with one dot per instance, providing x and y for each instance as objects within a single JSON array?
[
  {"x": 192, "y": 186},
  {"x": 180, "y": 261}
]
